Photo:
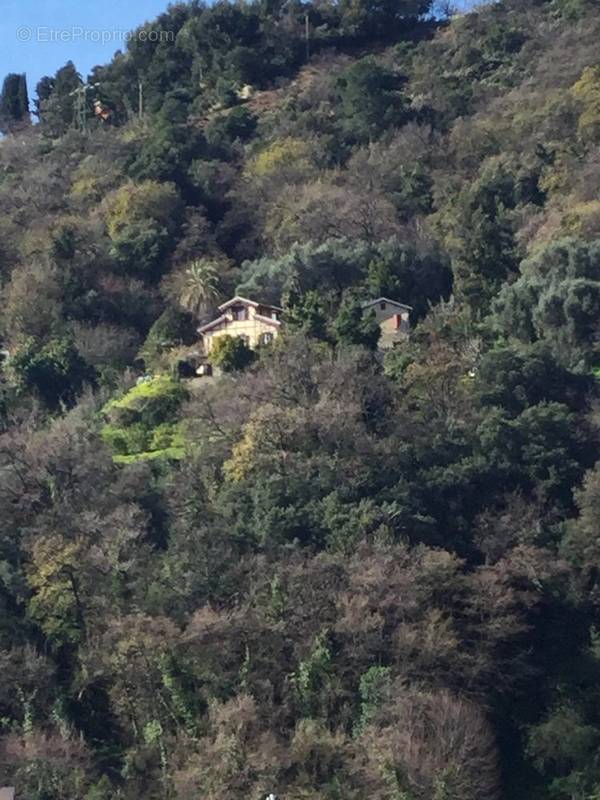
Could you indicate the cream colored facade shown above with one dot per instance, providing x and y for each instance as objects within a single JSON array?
[
  {"x": 393, "y": 319},
  {"x": 256, "y": 323}
]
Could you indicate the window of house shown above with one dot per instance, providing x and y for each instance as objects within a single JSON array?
[
  {"x": 240, "y": 313},
  {"x": 382, "y": 306},
  {"x": 266, "y": 338}
]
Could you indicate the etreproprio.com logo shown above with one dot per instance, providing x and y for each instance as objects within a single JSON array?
[{"x": 77, "y": 33}]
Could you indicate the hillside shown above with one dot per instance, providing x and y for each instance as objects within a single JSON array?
[{"x": 328, "y": 571}]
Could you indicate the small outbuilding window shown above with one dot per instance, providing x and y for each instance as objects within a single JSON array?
[{"x": 383, "y": 306}]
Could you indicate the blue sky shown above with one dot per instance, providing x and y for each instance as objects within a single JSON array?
[{"x": 39, "y": 36}]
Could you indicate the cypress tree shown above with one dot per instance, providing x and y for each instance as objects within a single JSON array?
[{"x": 14, "y": 102}]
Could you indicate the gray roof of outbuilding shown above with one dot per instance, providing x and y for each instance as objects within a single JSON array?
[{"x": 386, "y": 300}]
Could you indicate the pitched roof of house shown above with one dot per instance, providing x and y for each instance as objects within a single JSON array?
[
  {"x": 276, "y": 323},
  {"x": 238, "y": 300},
  {"x": 212, "y": 324},
  {"x": 268, "y": 320},
  {"x": 370, "y": 303}
]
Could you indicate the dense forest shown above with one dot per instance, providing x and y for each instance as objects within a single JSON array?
[{"x": 326, "y": 573}]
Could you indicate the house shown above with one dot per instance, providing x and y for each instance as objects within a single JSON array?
[
  {"x": 260, "y": 323},
  {"x": 255, "y": 323},
  {"x": 393, "y": 319}
]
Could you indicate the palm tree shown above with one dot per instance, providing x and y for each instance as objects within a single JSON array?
[{"x": 200, "y": 286}]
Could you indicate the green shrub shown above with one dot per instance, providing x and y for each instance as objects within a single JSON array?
[
  {"x": 55, "y": 372},
  {"x": 231, "y": 354},
  {"x": 143, "y": 424},
  {"x": 151, "y": 402}
]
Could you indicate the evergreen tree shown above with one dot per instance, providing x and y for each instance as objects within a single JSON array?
[
  {"x": 43, "y": 90},
  {"x": 14, "y": 103},
  {"x": 371, "y": 100},
  {"x": 57, "y": 99},
  {"x": 353, "y": 326}
]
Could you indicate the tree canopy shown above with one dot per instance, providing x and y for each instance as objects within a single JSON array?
[{"x": 324, "y": 569}]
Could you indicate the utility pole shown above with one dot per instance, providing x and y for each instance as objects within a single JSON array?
[
  {"x": 140, "y": 99},
  {"x": 81, "y": 115},
  {"x": 307, "y": 34}
]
